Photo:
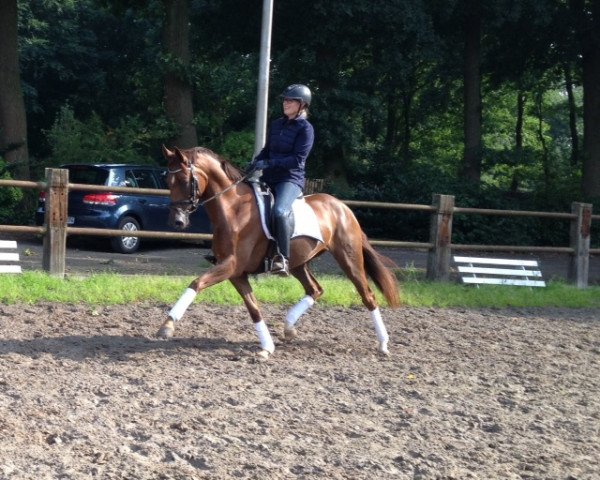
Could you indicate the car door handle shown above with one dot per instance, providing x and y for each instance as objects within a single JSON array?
[{"x": 141, "y": 200}]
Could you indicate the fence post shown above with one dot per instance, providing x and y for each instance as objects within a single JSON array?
[
  {"x": 55, "y": 239},
  {"x": 440, "y": 236},
  {"x": 579, "y": 267}
]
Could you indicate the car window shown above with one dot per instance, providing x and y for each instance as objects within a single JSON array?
[
  {"x": 162, "y": 179},
  {"x": 130, "y": 179},
  {"x": 89, "y": 176},
  {"x": 141, "y": 178}
]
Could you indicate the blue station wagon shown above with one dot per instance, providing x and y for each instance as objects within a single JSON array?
[{"x": 121, "y": 211}]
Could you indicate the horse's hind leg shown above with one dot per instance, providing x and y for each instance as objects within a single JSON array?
[
  {"x": 242, "y": 285},
  {"x": 351, "y": 261},
  {"x": 313, "y": 291}
]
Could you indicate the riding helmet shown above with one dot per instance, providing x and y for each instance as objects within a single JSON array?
[{"x": 298, "y": 91}]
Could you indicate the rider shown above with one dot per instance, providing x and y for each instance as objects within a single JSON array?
[{"x": 283, "y": 161}]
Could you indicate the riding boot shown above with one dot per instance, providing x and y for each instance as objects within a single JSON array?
[{"x": 284, "y": 227}]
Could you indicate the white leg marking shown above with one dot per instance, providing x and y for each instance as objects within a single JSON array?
[
  {"x": 298, "y": 310},
  {"x": 182, "y": 304},
  {"x": 380, "y": 330},
  {"x": 264, "y": 336}
]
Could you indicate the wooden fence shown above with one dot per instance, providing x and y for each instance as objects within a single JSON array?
[{"x": 439, "y": 247}]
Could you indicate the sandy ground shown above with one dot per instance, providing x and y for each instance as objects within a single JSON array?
[{"x": 88, "y": 392}]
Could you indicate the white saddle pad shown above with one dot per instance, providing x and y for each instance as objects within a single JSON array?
[{"x": 306, "y": 223}]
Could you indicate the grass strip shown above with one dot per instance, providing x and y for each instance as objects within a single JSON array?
[{"x": 112, "y": 289}]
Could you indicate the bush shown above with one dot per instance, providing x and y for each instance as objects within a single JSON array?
[
  {"x": 418, "y": 184},
  {"x": 92, "y": 141},
  {"x": 10, "y": 200},
  {"x": 237, "y": 147}
]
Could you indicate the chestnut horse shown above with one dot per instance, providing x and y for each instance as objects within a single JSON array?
[{"x": 198, "y": 176}]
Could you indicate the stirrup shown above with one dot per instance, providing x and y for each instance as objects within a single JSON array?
[{"x": 280, "y": 266}]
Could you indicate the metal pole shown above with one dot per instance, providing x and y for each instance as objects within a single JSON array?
[{"x": 263, "y": 77}]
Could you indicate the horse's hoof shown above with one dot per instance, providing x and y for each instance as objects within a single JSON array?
[
  {"x": 263, "y": 355},
  {"x": 383, "y": 349},
  {"x": 289, "y": 334},
  {"x": 166, "y": 331}
]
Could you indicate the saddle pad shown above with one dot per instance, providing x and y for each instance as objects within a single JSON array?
[
  {"x": 305, "y": 220},
  {"x": 306, "y": 223}
]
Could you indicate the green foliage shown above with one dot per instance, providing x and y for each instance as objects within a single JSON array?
[
  {"x": 238, "y": 147},
  {"x": 109, "y": 289},
  {"x": 419, "y": 183},
  {"x": 10, "y": 199},
  {"x": 225, "y": 102},
  {"x": 91, "y": 141},
  {"x": 388, "y": 97},
  {"x": 82, "y": 54}
]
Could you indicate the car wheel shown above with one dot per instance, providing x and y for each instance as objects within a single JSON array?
[{"x": 127, "y": 244}]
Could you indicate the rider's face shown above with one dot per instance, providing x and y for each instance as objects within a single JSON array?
[{"x": 291, "y": 107}]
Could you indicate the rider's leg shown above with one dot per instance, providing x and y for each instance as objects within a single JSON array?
[{"x": 283, "y": 219}]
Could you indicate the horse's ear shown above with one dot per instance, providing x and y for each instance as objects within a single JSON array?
[
  {"x": 166, "y": 152},
  {"x": 180, "y": 155}
]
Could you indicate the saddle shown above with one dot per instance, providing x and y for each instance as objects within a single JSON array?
[{"x": 305, "y": 219}]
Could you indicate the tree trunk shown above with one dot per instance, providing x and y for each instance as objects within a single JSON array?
[
  {"x": 391, "y": 135},
  {"x": 13, "y": 118},
  {"x": 472, "y": 92},
  {"x": 518, "y": 159},
  {"x": 333, "y": 152},
  {"x": 591, "y": 105},
  {"x": 178, "y": 92},
  {"x": 406, "y": 112},
  {"x": 539, "y": 102},
  {"x": 572, "y": 117}
]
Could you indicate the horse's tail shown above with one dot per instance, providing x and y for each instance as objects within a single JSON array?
[{"x": 376, "y": 266}]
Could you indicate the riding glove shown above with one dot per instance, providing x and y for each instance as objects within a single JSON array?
[{"x": 260, "y": 164}]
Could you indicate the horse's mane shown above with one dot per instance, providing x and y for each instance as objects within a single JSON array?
[{"x": 233, "y": 173}]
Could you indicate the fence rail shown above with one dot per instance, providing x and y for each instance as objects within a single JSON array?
[{"x": 439, "y": 247}]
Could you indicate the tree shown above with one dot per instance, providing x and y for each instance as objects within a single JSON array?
[
  {"x": 589, "y": 21},
  {"x": 178, "y": 91},
  {"x": 472, "y": 91},
  {"x": 13, "y": 118}
]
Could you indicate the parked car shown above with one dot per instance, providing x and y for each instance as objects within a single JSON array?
[{"x": 121, "y": 211}]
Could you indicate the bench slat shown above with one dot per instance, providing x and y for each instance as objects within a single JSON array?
[
  {"x": 505, "y": 281},
  {"x": 9, "y": 257},
  {"x": 500, "y": 271},
  {"x": 10, "y": 269},
  {"x": 473, "y": 266},
  {"x": 496, "y": 261},
  {"x": 8, "y": 244}
]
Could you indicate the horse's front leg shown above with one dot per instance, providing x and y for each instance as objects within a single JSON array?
[
  {"x": 218, "y": 273},
  {"x": 242, "y": 285}
]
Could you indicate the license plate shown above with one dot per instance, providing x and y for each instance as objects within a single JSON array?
[{"x": 70, "y": 220}]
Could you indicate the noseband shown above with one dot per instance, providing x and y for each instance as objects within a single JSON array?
[{"x": 193, "y": 202}]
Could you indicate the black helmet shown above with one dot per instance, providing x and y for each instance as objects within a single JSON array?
[{"x": 298, "y": 91}]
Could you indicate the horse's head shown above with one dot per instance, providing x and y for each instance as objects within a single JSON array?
[{"x": 186, "y": 184}]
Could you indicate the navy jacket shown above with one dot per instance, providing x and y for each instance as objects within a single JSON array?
[{"x": 288, "y": 144}]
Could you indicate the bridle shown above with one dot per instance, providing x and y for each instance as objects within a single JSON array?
[{"x": 193, "y": 202}]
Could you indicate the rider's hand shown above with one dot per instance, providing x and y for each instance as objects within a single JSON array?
[{"x": 260, "y": 164}]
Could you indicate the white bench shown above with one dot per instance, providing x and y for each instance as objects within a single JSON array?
[
  {"x": 9, "y": 257},
  {"x": 499, "y": 271}
]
